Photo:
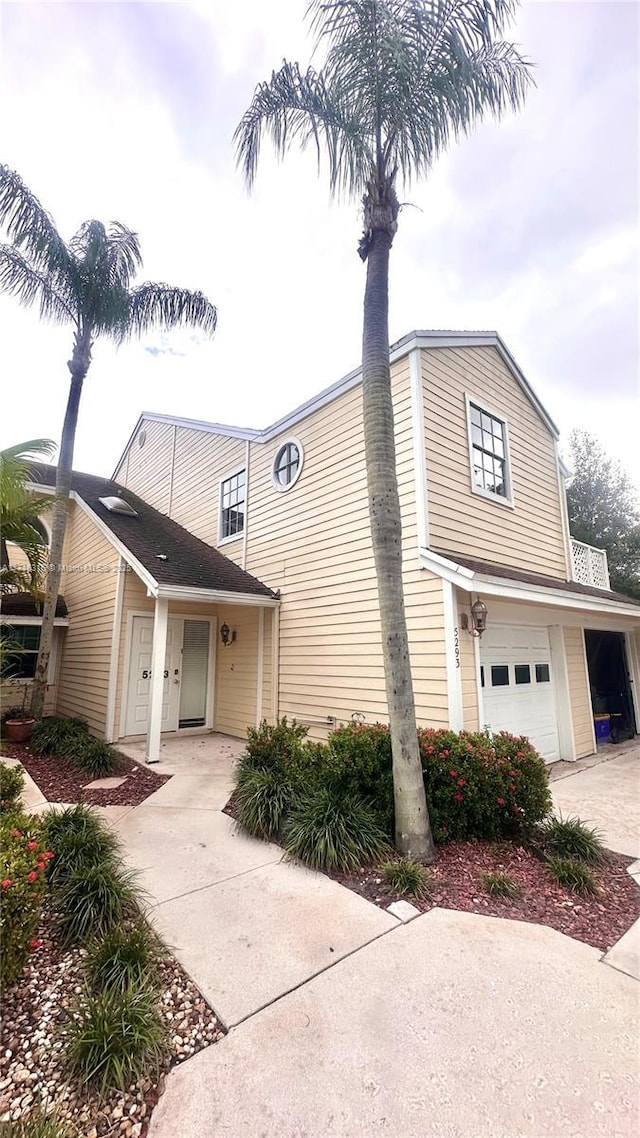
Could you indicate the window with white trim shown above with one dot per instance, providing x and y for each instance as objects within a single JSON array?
[
  {"x": 488, "y": 448},
  {"x": 21, "y": 644},
  {"x": 287, "y": 464},
  {"x": 232, "y": 505}
]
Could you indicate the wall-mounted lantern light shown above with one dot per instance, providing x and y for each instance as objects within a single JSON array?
[
  {"x": 478, "y": 622},
  {"x": 227, "y": 635}
]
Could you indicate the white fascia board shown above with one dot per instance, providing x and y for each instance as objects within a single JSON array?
[
  {"x": 59, "y": 622},
  {"x": 444, "y": 567},
  {"x": 125, "y": 553},
  {"x": 215, "y": 596}
]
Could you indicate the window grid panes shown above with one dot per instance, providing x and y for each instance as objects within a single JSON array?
[
  {"x": 499, "y": 675},
  {"x": 287, "y": 464},
  {"x": 523, "y": 673},
  {"x": 488, "y": 446},
  {"x": 233, "y": 505},
  {"x": 543, "y": 675},
  {"x": 22, "y": 654}
]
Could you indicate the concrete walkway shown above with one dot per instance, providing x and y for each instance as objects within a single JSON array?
[{"x": 608, "y": 797}]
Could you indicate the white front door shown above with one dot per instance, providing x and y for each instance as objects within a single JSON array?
[
  {"x": 517, "y": 685},
  {"x": 140, "y": 676}
]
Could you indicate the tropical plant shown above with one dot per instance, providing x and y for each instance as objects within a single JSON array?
[
  {"x": 125, "y": 957},
  {"x": 115, "y": 1037},
  {"x": 91, "y": 755},
  {"x": 574, "y": 875},
  {"x": 23, "y": 861},
  {"x": 80, "y": 840},
  {"x": 11, "y": 787},
  {"x": 52, "y": 734},
  {"x": 19, "y": 511},
  {"x": 86, "y": 283},
  {"x": 405, "y": 875},
  {"x": 400, "y": 80},
  {"x": 501, "y": 884},
  {"x": 571, "y": 837},
  {"x": 333, "y": 832},
  {"x": 264, "y": 799},
  {"x": 93, "y": 900}
]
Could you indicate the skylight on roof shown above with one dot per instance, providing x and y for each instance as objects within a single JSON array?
[{"x": 118, "y": 506}]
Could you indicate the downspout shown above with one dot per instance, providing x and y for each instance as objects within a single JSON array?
[{"x": 247, "y": 461}]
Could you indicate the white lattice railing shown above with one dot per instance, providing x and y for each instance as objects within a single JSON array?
[{"x": 589, "y": 565}]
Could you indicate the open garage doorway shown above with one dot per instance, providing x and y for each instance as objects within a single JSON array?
[{"x": 610, "y": 682}]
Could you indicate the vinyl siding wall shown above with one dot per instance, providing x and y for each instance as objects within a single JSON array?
[
  {"x": 90, "y": 593},
  {"x": 147, "y": 469},
  {"x": 581, "y": 712},
  {"x": 468, "y": 674},
  {"x": 236, "y": 667},
  {"x": 529, "y": 536}
]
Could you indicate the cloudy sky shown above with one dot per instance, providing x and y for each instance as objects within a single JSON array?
[{"x": 125, "y": 110}]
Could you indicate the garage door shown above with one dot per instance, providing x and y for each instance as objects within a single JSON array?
[{"x": 517, "y": 685}]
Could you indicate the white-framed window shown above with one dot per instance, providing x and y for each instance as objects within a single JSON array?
[
  {"x": 22, "y": 642},
  {"x": 489, "y": 453},
  {"x": 233, "y": 495},
  {"x": 287, "y": 464}
]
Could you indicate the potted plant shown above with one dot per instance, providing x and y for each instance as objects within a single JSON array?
[{"x": 17, "y": 721}]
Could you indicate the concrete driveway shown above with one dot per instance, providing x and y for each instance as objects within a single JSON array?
[{"x": 607, "y": 796}]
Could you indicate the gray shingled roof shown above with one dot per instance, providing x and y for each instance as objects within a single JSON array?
[
  {"x": 171, "y": 554},
  {"x": 489, "y": 569},
  {"x": 23, "y": 604}
]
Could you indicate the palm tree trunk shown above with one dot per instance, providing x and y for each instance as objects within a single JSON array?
[
  {"x": 58, "y": 528},
  {"x": 413, "y": 831}
]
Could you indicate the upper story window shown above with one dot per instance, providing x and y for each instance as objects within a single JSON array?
[
  {"x": 489, "y": 453},
  {"x": 232, "y": 506},
  {"x": 287, "y": 465}
]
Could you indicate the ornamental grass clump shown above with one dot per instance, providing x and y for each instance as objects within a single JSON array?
[
  {"x": 92, "y": 901},
  {"x": 572, "y": 838},
  {"x": 501, "y": 884},
  {"x": 91, "y": 755},
  {"x": 406, "y": 876},
  {"x": 53, "y": 734},
  {"x": 24, "y": 857},
  {"x": 264, "y": 799},
  {"x": 126, "y": 956},
  {"x": 80, "y": 840},
  {"x": 115, "y": 1037},
  {"x": 574, "y": 875},
  {"x": 37, "y": 1125},
  {"x": 334, "y": 833}
]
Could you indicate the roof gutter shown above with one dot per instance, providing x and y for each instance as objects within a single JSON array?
[{"x": 214, "y": 596}]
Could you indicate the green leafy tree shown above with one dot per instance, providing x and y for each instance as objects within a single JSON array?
[
  {"x": 86, "y": 283},
  {"x": 604, "y": 510},
  {"x": 19, "y": 513},
  {"x": 400, "y": 80}
]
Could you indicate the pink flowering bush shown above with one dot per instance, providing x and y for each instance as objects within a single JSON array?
[{"x": 23, "y": 867}]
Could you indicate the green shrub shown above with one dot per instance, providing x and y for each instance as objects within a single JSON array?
[
  {"x": 273, "y": 746},
  {"x": 482, "y": 786},
  {"x": 357, "y": 761},
  {"x": 79, "y": 840},
  {"x": 52, "y": 735},
  {"x": 124, "y": 957},
  {"x": 405, "y": 875},
  {"x": 91, "y": 755},
  {"x": 574, "y": 875},
  {"x": 115, "y": 1037},
  {"x": 264, "y": 799},
  {"x": 500, "y": 884},
  {"x": 37, "y": 1126},
  {"x": 570, "y": 837},
  {"x": 23, "y": 860},
  {"x": 11, "y": 787},
  {"x": 92, "y": 901},
  {"x": 327, "y": 832}
]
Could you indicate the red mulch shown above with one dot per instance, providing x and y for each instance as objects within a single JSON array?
[
  {"x": 60, "y": 780},
  {"x": 457, "y": 884}
]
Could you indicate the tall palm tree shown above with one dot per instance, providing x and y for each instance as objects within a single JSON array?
[
  {"x": 399, "y": 81},
  {"x": 19, "y": 512},
  {"x": 86, "y": 283}
]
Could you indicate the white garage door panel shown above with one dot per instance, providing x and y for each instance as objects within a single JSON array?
[{"x": 527, "y": 707}]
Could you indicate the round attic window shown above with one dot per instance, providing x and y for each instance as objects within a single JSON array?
[
  {"x": 287, "y": 465},
  {"x": 142, "y": 438}
]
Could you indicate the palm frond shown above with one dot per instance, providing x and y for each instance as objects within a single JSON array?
[
  {"x": 153, "y": 305},
  {"x": 123, "y": 254},
  {"x": 34, "y": 286},
  {"x": 30, "y": 227},
  {"x": 297, "y": 106}
]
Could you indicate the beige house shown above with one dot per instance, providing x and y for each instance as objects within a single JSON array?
[{"x": 226, "y": 575}]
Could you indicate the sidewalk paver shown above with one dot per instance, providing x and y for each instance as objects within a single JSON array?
[
  {"x": 608, "y": 797},
  {"x": 451, "y": 1026},
  {"x": 625, "y": 955},
  {"x": 250, "y": 939}
]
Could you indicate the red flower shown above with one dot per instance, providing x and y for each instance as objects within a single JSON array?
[
  {"x": 32, "y": 845},
  {"x": 16, "y": 833},
  {"x": 47, "y": 855},
  {"x": 444, "y": 754},
  {"x": 512, "y": 786},
  {"x": 454, "y": 774},
  {"x": 458, "y": 797},
  {"x": 462, "y": 782},
  {"x": 33, "y": 876},
  {"x": 6, "y": 883},
  {"x": 430, "y": 750},
  {"x": 35, "y": 943},
  {"x": 41, "y": 866},
  {"x": 513, "y": 774},
  {"x": 500, "y": 801}
]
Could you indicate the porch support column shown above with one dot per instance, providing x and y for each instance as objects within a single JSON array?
[{"x": 158, "y": 656}]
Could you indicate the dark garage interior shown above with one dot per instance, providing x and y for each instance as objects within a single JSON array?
[{"x": 610, "y": 682}]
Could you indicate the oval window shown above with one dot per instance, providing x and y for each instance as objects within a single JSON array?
[{"x": 287, "y": 465}]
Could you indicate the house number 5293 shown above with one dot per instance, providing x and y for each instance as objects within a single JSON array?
[
  {"x": 146, "y": 673},
  {"x": 456, "y": 647}
]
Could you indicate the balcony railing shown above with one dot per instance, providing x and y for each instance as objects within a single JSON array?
[{"x": 589, "y": 565}]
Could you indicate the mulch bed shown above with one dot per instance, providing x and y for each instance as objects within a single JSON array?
[
  {"x": 457, "y": 884},
  {"x": 60, "y": 780},
  {"x": 33, "y": 1068}
]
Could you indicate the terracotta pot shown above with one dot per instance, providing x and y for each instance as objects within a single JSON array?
[{"x": 18, "y": 730}]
